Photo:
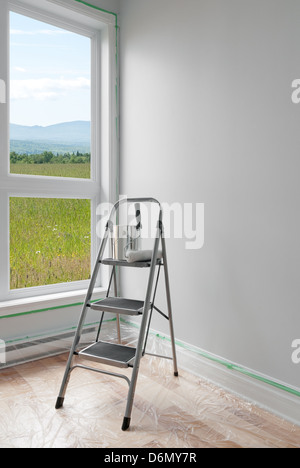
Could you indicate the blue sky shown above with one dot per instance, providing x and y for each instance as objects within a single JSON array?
[{"x": 49, "y": 73}]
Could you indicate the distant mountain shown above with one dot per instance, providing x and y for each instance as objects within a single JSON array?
[
  {"x": 66, "y": 133},
  {"x": 38, "y": 147}
]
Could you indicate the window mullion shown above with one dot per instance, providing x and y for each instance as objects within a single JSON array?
[{"x": 50, "y": 187}]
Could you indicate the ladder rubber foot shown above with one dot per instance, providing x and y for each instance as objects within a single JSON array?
[
  {"x": 126, "y": 424},
  {"x": 59, "y": 402},
  {"x": 176, "y": 374}
]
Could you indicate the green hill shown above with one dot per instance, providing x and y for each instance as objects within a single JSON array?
[{"x": 66, "y": 137}]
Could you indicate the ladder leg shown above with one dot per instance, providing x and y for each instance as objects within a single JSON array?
[
  {"x": 118, "y": 316},
  {"x": 139, "y": 348},
  {"x": 119, "y": 329},
  {"x": 172, "y": 334},
  {"x": 66, "y": 378},
  {"x": 135, "y": 371},
  {"x": 102, "y": 315}
]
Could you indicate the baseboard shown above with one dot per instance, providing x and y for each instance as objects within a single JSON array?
[{"x": 260, "y": 390}]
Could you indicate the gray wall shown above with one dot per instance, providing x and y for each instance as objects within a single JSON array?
[
  {"x": 207, "y": 117},
  {"x": 109, "y": 5}
]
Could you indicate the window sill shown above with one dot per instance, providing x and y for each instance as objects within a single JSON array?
[{"x": 44, "y": 303}]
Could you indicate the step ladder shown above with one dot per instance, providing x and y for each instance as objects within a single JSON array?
[{"x": 119, "y": 355}]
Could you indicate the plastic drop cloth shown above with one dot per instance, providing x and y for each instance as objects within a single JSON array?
[{"x": 168, "y": 412}]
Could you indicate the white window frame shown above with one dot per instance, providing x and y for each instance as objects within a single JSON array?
[{"x": 103, "y": 185}]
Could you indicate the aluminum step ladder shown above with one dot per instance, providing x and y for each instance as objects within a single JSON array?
[{"x": 119, "y": 355}]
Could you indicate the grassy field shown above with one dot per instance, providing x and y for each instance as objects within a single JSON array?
[
  {"x": 78, "y": 171},
  {"x": 50, "y": 239}
]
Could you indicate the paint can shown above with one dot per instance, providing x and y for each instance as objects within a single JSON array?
[{"x": 124, "y": 238}]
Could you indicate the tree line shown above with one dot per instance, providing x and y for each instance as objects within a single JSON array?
[{"x": 47, "y": 157}]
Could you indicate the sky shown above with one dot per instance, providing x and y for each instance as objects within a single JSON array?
[{"x": 50, "y": 73}]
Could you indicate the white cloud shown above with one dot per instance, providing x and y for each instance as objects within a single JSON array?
[
  {"x": 46, "y": 88},
  {"x": 20, "y": 69}
]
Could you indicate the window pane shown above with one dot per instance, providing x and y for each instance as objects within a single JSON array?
[
  {"x": 50, "y": 100},
  {"x": 50, "y": 241}
]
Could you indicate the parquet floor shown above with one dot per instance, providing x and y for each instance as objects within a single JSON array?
[{"x": 169, "y": 412}]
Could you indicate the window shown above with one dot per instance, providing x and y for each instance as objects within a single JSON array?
[
  {"x": 50, "y": 99},
  {"x": 58, "y": 143}
]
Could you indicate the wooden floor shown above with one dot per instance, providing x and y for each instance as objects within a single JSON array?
[{"x": 169, "y": 412}]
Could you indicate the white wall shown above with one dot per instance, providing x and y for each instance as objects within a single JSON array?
[{"x": 206, "y": 116}]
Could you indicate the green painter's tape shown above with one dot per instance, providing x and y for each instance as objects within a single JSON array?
[
  {"x": 117, "y": 58},
  {"x": 38, "y": 311},
  {"x": 222, "y": 362},
  {"x": 97, "y": 8},
  {"x": 236, "y": 368},
  {"x": 109, "y": 13}
]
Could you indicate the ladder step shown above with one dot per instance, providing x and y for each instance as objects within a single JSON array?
[
  {"x": 140, "y": 264},
  {"x": 119, "y": 305},
  {"x": 109, "y": 353}
]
